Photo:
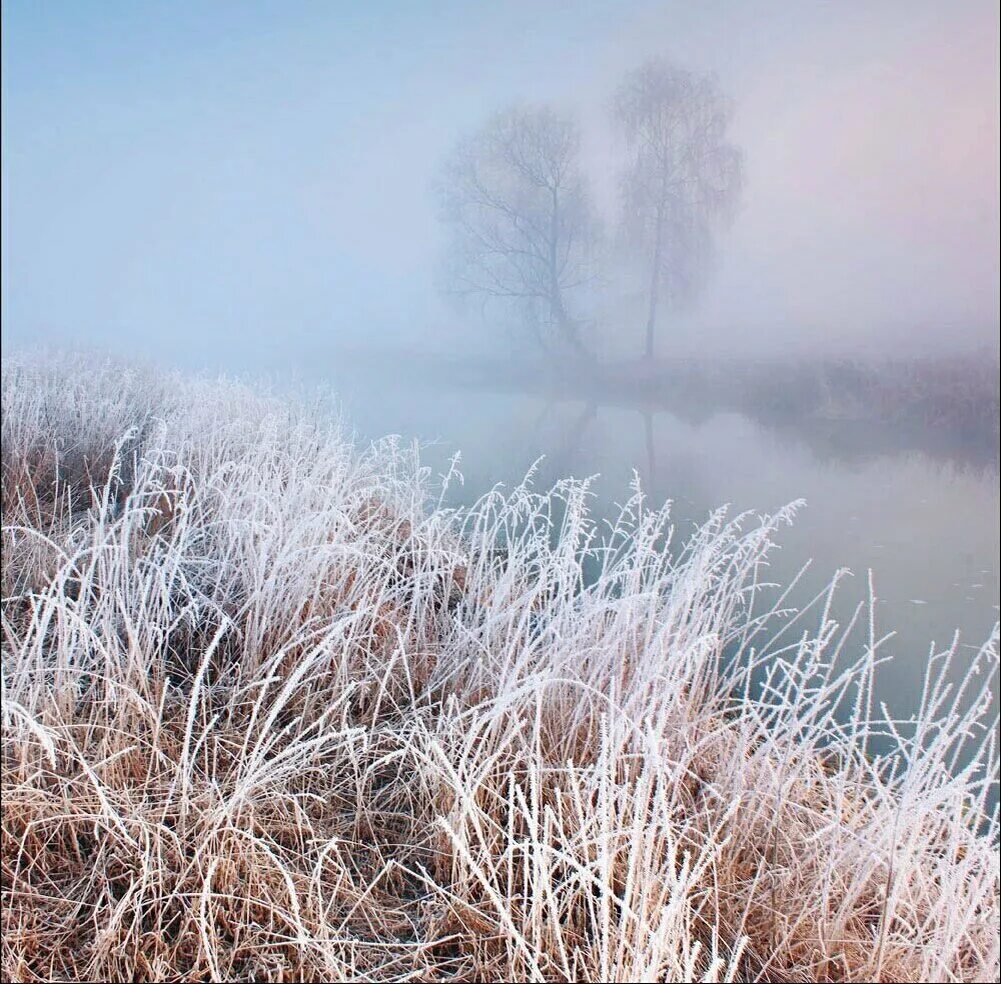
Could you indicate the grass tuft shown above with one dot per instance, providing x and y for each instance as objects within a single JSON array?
[{"x": 271, "y": 713}]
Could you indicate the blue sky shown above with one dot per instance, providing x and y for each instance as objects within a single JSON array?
[{"x": 240, "y": 183}]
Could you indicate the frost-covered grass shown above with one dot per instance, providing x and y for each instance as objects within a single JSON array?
[{"x": 271, "y": 713}]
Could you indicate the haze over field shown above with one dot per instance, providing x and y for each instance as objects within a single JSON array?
[{"x": 249, "y": 185}]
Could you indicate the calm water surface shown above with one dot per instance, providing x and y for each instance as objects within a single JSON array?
[{"x": 927, "y": 526}]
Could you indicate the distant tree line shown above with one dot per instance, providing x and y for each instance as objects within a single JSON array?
[{"x": 523, "y": 227}]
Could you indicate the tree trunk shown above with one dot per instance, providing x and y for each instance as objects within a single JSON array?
[
  {"x": 565, "y": 325},
  {"x": 557, "y": 310},
  {"x": 651, "y": 321}
]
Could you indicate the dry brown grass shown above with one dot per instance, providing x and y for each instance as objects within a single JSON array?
[{"x": 267, "y": 716}]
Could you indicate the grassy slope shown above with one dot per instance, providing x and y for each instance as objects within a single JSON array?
[{"x": 269, "y": 713}]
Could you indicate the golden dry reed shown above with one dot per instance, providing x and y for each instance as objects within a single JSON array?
[{"x": 272, "y": 713}]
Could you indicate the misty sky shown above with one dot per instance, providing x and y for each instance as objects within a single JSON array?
[{"x": 247, "y": 184}]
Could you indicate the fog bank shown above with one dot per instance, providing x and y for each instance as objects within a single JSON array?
[{"x": 240, "y": 184}]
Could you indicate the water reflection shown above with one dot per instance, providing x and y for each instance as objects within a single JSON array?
[{"x": 926, "y": 523}]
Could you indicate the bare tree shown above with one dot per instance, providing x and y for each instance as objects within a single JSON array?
[
  {"x": 521, "y": 223},
  {"x": 682, "y": 180}
]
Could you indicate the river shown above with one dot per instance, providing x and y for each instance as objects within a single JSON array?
[{"x": 925, "y": 524}]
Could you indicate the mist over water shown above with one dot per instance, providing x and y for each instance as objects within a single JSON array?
[{"x": 924, "y": 521}]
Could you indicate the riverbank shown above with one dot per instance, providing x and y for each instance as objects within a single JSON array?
[
  {"x": 947, "y": 407},
  {"x": 270, "y": 712}
]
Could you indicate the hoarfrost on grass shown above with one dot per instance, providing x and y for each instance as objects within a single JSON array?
[{"x": 271, "y": 711}]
